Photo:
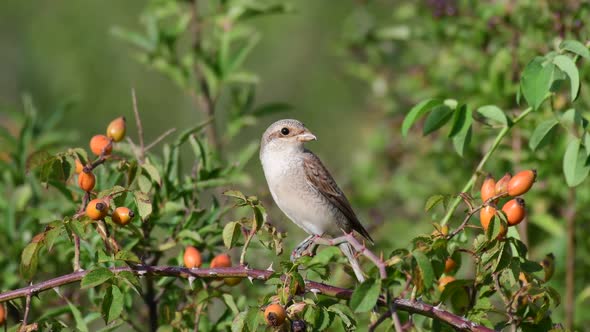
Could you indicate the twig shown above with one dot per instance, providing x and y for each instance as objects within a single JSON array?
[
  {"x": 246, "y": 244},
  {"x": 76, "y": 251},
  {"x": 395, "y": 318},
  {"x": 569, "y": 215},
  {"x": 139, "y": 126},
  {"x": 410, "y": 306},
  {"x": 361, "y": 248},
  {"x": 159, "y": 139},
  {"x": 27, "y": 310},
  {"x": 200, "y": 307},
  {"x": 378, "y": 322}
]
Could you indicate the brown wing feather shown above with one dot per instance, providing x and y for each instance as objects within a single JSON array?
[{"x": 319, "y": 177}]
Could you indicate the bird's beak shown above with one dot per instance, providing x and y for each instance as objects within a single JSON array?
[{"x": 306, "y": 136}]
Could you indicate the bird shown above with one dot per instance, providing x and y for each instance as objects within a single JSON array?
[{"x": 304, "y": 190}]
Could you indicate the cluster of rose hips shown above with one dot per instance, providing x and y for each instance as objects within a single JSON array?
[
  {"x": 102, "y": 146},
  {"x": 193, "y": 260},
  {"x": 274, "y": 314},
  {"x": 514, "y": 209}
]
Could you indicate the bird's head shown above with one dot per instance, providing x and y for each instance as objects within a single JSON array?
[{"x": 286, "y": 134}]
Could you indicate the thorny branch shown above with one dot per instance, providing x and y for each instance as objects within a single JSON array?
[{"x": 410, "y": 306}]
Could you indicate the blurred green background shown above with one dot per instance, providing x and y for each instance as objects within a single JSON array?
[{"x": 350, "y": 69}]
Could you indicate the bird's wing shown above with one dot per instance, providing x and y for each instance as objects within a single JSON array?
[{"x": 318, "y": 176}]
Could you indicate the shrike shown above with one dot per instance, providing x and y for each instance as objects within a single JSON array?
[{"x": 304, "y": 190}]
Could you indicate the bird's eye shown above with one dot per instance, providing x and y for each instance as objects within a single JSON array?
[{"x": 285, "y": 131}]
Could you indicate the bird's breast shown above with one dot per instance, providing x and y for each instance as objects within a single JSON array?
[{"x": 295, "y": 196}]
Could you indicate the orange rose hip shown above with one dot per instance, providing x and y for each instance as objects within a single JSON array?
[
  {"x": 488, "y": 188},
  {"x": 100, "y": 143},
  {"x": 275, "y": 315},
  {"x": 515, "y": 211},
  {"x": 221, "y": 260},
  {"x": 97, "y": 209},
  {"x": 521, "y": 182},
  {"x": 86, "y": 181},
  {"x": 192, "y": 257}
]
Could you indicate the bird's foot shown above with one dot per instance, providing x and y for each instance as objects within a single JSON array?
[{"x": 306, "y": 248}]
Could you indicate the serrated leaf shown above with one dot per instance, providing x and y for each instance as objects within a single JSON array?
[
  {"x": 425, "y": 267},
  {"x": 112, "y": 304},
  {"x": 184, "y": 135},
  {"x": 128, "y": 256},
  {"x": 542, "y": 130},
  {"x": 144, "y": 204},
  {"x": 462, "y": 140},
  {"x": 238, "y": 324},
  {"x": 575, "y": 47},
  {"x": 345, "y": 314},
  {"x": 493, "y": 113},
  {"x": 231, "y": 234},
  {"x": 416, "y": 112},
  {"x": 437, "y": 118},
  {"x": 461, "y": 131},
  {"x": 189, "y": 234},
  {"x": 153, "y": 172},
  {"x": 235, "y": 193},
  {"x": 504, "y": 257},
  {"x": 535, "y": 82},
  {"x": 80, "y": 323},
  {"x": 96, "y": 277},
  {"x": 29, "y": 260},
  {"x": 567, "y": 65},
  {"x": 365, "y": 296},
  {"x": 575, "y": 163},
  {"x": 433, "y": 201}
]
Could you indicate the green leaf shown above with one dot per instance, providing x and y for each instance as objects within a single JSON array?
[
  {"x": 433, "y": 201},
  {"x": 80, "y": 323},
  {"x": 239, "y": 324},
  {"x": 461, "y": 131},
  {"x": 541, "y": 132},
  {"x": 504, "y": 257},
  {"x": 236, "y": 194},
  {"x": 425, "y": 267},
  {"x": 96, "y": 277},
  {"x": 128, "y": 256},
  {"x": 152, "y": 171},
  {"x": 437, "y": 118},
  {"x": 575, "y": 164},
  {"x": 144, "y": 204},
  {"x": 536, "y": 81},
  {"x": 461, "y": 119},
  {"x": 575, "y": 47},
  {"x": 345, "y": 314},
  {"x": 462, "y": 140},
  {"x": 493, "y": 113},
  {"x": 183, "y": 136},
  {"x": 365, "y": 296},
  {"x": 112, "y": 304},
  {"x": 567, "y": 65},
  {"x": 416, "y": 112},
  {"x": 231, "y": 234},
  {"x": 29, "y": 260}
]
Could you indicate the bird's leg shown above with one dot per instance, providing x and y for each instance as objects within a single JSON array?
[{"x": 301, "y": 247}]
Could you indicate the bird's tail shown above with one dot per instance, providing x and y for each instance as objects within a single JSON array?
[{"x": 349, "y": 253}]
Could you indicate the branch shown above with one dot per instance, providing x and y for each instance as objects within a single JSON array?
[
  {"x": 361, "y": 248},
  {"x": 410, "y": 306}
]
